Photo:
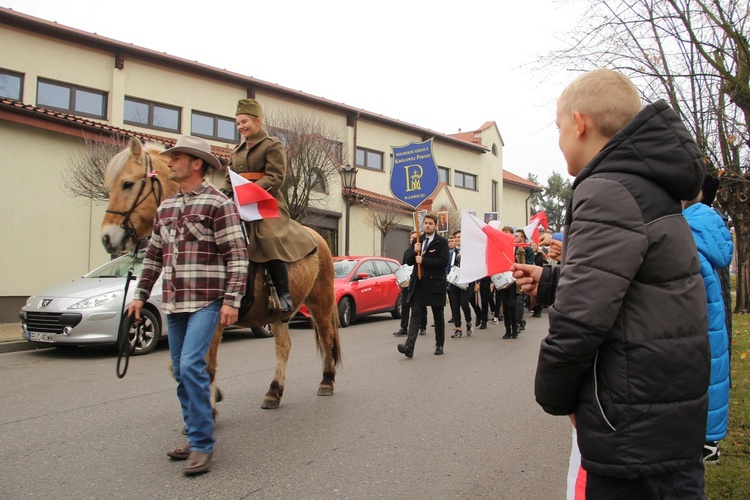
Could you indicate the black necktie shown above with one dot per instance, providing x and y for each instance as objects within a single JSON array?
[{"x": 426, "y": 244}]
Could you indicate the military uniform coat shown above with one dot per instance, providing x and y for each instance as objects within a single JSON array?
[{"x": 270, "y": 239}]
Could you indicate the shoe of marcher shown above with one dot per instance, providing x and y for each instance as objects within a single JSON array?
[
  {"x": 405, "y": 350},
  {"x": 536, "y": 315},
  {"x": 400, "y": 333},
  {"x": 456, "y": 333},
  {"x": 478, "y": 322},
  {"x": 495, "y": 321},
  {"x": 181, "y": 453},
  {"x": 522, "y": 325},
  {"x": 196, "y": 463},
  {"x": 438, "y": 350},
  {"x": 450, "y": 321},
  {"x": 711, "y": 453},
  {"x": 422, "y": 331},
  {"x": 483, "y": 326},
  {"x": 507, "y": 335}
]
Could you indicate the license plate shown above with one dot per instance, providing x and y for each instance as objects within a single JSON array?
[{"x": 42, "y": 337}]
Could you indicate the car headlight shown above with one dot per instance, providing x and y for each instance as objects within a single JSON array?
[{"x": 95, "y": 301}]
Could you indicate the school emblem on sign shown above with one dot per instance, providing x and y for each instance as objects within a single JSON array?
[{"x": 414, "y": 177}]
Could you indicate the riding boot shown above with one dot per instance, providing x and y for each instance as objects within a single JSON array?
[
  {"x": 280, "y": 278},
  {"x": 247, "y": 300}
]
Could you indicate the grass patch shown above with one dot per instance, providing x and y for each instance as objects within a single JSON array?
[{"x": 730, "y": 478}]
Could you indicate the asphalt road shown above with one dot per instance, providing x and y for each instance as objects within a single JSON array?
[{"x": 461, "y": 425}]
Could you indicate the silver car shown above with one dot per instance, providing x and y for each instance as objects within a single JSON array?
[{"x": 86, "y": 311}]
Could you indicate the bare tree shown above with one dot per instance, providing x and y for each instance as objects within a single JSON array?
[
  {"x": 314, "y": 152},
  {"x": 695, "y": 55},
  {"x": 83, "y": 175},
  {"x": 384, "y": 218}
]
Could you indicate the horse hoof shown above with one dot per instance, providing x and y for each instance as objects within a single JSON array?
[
  {"x": 270, "y": 404},
  {"x": 325, "y": 391}
]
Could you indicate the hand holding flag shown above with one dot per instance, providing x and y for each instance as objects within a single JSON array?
[{"x": 253, "y": 202}]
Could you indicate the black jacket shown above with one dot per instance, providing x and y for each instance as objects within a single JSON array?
[
  {"x": 627, "y": 349},
  {"x": 430, "y": 290}
]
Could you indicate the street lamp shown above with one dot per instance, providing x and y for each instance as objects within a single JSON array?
[{"x": 349, "y": 182}]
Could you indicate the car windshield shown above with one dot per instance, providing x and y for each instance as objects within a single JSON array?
[
  {"x": 342, "y": 268},
  {"x": 118, "y": 268}
]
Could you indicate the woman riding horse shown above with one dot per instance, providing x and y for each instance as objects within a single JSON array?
[{"x": 260, "y": 158}]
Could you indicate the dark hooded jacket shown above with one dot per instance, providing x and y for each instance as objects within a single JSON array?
[{"x": 627, "y": 350}]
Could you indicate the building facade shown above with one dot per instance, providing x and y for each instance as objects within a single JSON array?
[{"x": 80, "y": 88}]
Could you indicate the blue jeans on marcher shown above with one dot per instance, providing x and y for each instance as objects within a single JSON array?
[{"x": 189, "y": 339}]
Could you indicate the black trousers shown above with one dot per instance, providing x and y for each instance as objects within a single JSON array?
[
  {"x": 419, "y": 315},
  {"x": 486, "y": 299},
  {"x": 655, "y": 487},
  {"x": 406, "y": 309},
  {"x": 459, "y": 300},
  {"x": 508, "y": 300}
]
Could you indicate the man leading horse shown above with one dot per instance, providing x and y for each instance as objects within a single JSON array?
[{"x": 198, "y": 242}]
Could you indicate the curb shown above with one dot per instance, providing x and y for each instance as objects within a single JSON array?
[{"x": 21, "y": 345}]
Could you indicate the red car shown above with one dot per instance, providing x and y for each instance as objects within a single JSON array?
[{"x": 364, "y": 286}]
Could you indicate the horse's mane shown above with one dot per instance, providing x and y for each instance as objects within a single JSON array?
[{"x": 118, "y": 162}]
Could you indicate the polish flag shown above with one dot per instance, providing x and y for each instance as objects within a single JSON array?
[
  {"x": 253, "y": 202},
  {"x": 532, "y": 230},
  {"x": 542, "y": 218},
  {"x": 485, "y": 250}
]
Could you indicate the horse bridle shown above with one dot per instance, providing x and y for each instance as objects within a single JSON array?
[{"x": 148, "y": 173}]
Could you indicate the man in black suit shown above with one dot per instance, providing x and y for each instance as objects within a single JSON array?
[
  {"x": 431, "y": 254},
  {"x": 405, "y": 307}
]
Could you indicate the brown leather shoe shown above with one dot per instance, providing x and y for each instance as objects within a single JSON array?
[
  {"x": 180, "y": 453},
  {"x": 196, "y": 463}
]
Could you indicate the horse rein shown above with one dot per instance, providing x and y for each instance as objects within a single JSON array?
[{"x": 148, "y": 173}]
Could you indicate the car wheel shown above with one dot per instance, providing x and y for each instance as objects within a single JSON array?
[
  {"x": 145, "y": 338},
  {"x": 397, "y": 311},
  {"x": 346, "y": 310}
]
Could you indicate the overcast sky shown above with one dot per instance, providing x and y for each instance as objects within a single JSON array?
[{"x": 422, "y": 62}]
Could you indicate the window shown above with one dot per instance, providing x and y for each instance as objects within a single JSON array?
[
  {"x": 336, "y": 150},
  {"x": 152, "y": 115},
  {"x": 381, "y": 266},
  {"x": 369, "y": 159},
  {"x": 495, "y": 192},
  {"x": 465, "y": 180},
  {"x": 11, "y": 84},
  {"x": 71, "y": 98},
  {"x": 215, "y": 127},
  {"x": 444, "y": 175},
  {"x": 368, "y": 268}
]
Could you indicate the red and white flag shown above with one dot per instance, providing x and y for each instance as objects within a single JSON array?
[
  {"x": 542, "y": 218},
  {"x": 532, "y": 230},
  {"x": 253, "y": 202},
  {"x": 485, "y": 250}
]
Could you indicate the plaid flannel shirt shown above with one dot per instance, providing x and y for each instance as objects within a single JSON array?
[{"x": 198, "y": 241}]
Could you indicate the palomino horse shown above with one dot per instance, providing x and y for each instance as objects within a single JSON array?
[{"x": 137, "y": 179}]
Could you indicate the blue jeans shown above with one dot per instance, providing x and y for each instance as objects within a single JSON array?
[{"x": 189, "y": 339}]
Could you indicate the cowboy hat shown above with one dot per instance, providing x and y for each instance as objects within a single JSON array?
[{"x": 197, "y": 147}]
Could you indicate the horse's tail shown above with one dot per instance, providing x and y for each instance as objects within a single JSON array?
[{"x": 336, "y": 345}]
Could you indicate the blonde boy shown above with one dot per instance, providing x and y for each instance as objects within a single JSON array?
[{"x": 626, "y": 356}]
